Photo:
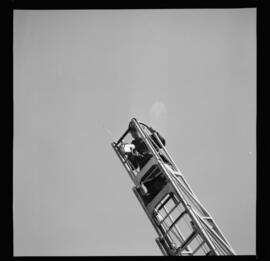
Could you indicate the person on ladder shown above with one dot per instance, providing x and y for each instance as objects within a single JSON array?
[{"x": 140, "y": 155}]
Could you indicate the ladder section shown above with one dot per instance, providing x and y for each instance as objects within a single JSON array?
[
  {"x": 203, "y": 217},
  {"x": 183, "y": 225},
  {"x": 174, "y": 224},
  {"x": 178, "y": 234}
]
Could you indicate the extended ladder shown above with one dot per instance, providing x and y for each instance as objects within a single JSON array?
[{"x": 183, "y": 225}]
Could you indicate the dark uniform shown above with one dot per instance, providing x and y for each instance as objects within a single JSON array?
[
  {"x": 156, "y": 182},
  {"x": 144, "y": 155}
]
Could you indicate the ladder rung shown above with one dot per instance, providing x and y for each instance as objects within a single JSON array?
[
  {"x": 198, "y": 247},
  {"x": 187, "y": 252},
  {"x": 206, "y": 218},
  {"x": 178, "y": 218},
  {"x": 164, "y": 203},
  {"x": 185, "y": 243},
  {"x": 169, "y": 212}
]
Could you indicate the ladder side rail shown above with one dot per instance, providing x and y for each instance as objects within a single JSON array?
[
  {"x": 203, "y": 232},
  {"x": 212, "y": 227},
  {"x": 166, "y": 152},
  {"x": 215, "y": 227},
  {"x": 220, "y": 247},
  {"x": 222, "y": 242},
  {"x": 174, "y": 164},
  {"x": 191, "y": 214},
  {"x": 219, "y": 232},
  {"x": 193, "y": 200},
  {"x": 166, "y": 246},
  {"x": 163, "y": 250}
]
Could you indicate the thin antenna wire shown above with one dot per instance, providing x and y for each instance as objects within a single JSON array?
[{"x": 107, "y": 131}]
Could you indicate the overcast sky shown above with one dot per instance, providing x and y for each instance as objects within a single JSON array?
[{"x": 81, "y": 75}]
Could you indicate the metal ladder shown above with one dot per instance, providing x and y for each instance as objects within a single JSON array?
[{"x": 183, "y": 225}]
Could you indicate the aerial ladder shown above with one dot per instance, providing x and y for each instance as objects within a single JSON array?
[{"x": 183, "y": 225}]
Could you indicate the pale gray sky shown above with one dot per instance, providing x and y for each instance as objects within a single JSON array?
[{"x": 191, "y": 74}]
